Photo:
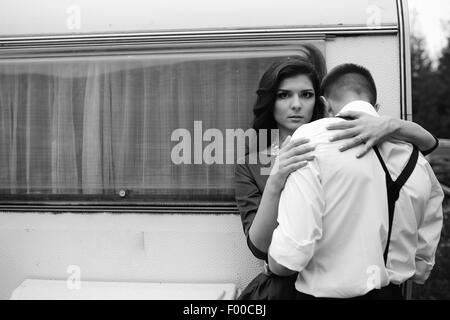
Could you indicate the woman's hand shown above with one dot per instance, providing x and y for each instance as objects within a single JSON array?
[
  {"x": 293, "y": 155},
  {"x": 363, "y": 129}
]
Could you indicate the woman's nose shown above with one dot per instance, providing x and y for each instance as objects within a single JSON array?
[{"x": 296, "y": 103}]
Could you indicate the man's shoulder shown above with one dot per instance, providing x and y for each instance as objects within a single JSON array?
[
  {"x": 393, "y": 148},
  {"x": 315, "y": 129},
  {"x": 396, "y": 151}
]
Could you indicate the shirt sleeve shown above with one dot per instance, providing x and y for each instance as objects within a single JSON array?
[
  {"x": 248, "y": 197},
  {"x": 429, "y": 231},
  {"x": 300, "y": 215}
]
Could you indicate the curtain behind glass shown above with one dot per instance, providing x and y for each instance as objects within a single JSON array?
[{"x": 97, "y": 126}]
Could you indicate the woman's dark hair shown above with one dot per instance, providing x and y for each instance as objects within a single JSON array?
[{"x": 312, "y": 65}]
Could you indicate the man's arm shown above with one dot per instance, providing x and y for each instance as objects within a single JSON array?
[
  {"x": 278, "y": 269},
  {"x": 300, "y": 214},
  {"x": 429, "y": 231}
]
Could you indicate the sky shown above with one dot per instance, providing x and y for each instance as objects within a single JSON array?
[{"x": 432, "y": 16}]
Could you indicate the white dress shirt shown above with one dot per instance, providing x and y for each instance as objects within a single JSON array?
[{"x": 333, "y": 217}]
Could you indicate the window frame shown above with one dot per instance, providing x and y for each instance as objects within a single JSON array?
[{"x": 83, "y": 45}]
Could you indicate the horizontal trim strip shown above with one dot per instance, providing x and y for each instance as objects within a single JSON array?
[
  {"x": 151, "y": 209},
  {"x": 195, "y": 36}
]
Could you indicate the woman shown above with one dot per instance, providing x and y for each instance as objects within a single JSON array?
[{"x": 287, "y": 98}]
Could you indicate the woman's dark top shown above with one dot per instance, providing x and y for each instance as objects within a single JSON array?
[{"x": 249, "y": 187}]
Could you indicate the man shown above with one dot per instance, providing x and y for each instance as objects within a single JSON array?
[{"x": 333, "y": 214}]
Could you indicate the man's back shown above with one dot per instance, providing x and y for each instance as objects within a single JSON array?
[{"x": 334, "y": 214}]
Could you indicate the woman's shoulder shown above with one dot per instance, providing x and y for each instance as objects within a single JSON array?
[
  {"x": 255, "y": 160},
  {"x": 255, "y": 168}
]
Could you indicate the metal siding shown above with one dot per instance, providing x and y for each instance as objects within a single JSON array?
[{"x": 24, "y": 17}]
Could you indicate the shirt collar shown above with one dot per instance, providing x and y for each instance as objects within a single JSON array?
[{"x": 361, "y": 106}]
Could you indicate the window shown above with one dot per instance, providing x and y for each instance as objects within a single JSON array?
[{"x": 97, "y": 128}]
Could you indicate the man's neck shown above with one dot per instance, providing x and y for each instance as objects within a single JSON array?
[
  {"x": 360, "y": 106},
  {"x": 345, "y": 99}
]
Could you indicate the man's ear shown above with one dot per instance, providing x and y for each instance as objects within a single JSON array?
[
  {"x": 327, "y": 107},
  {"x": 377, "y": 107}
]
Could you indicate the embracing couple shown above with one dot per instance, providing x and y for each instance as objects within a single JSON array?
[{"x": 351, "y": 208}]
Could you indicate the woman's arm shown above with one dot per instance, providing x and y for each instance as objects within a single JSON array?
[
  {"x": 293, "y": 155},
  {"x": 372, "y": 131},
  {"x": 412, "y": 132},
  {"x": 279, "y": 269},
  {"x": 265, "y": 221}
]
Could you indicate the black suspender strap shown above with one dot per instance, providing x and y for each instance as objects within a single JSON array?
[{"x": 394, "y": 187}]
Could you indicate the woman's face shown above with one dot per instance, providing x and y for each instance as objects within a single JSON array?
[{"x": 294, "y": 104}]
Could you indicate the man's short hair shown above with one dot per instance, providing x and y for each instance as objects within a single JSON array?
[{"x": 352, "y": 77}]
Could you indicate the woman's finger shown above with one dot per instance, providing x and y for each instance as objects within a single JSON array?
[
  {"x": 358, "y": 140},
  {"x": 295, "y": 166},
  {"x": 345, "y": 134},
  {"x": 341, "y": 125},
  {"x": 351, "y": 114},
  {"x": 301, "y": 158},
  {"x": 299, "y": 150},
  {"x": 295, "y": 143},
  {"x": 368, "y": 146}
]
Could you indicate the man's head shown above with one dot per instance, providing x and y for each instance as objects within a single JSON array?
[{"x": 346, "y": 83}]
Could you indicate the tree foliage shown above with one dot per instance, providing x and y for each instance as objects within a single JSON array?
[
  {"x": 443, "y": 104},
  {"x": 431, "y": 109},
  {"x": 430, "y": 88}
]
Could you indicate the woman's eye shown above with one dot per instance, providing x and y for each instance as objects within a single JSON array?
[
  {"x": 283, "y": 95},
  {"x": 308, "y": 94}
]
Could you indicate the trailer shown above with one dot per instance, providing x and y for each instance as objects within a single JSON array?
[{"x": 91, "y": 95}]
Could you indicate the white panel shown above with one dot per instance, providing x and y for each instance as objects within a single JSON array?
[
  {"x": 20, "y": 17},
  {"x": 36, "y": 289},
  {"x": 124, "y": 248},
  {"x": 380, "y": 55}
]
